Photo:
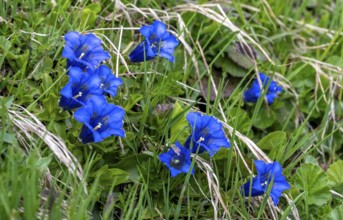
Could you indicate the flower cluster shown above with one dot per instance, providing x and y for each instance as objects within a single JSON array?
[
  {"x": 207, "y": 136},
  {"x": 158, "y": 42},
  {"x": 252, "y": 94},
  {"x": 89, "y": 83},
  {"x": 268, "y": 175}
]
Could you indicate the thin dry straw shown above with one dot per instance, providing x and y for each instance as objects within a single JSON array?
[
  {"x": 29, "y": 124},
  {"x": 213, "y": 185},
  {"x": 221, "y": 18}
]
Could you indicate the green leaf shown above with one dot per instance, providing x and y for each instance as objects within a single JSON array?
[
  {"x": 4, "y": 43},
  {"x": 334, "y": 172},
  {"x": 336, "y": 60},
  {"x": 239, "y": 119},
  {"x": 273, "y": 143},
  {"x": 111, "y": 176},
  {"x": 43, "y": 67},
  {"x": 179, "y": 130},
  {"x": 265, "y": 118},
  {"x": 8, "y": 101},
  {"x": 51, "y": 103},
  {"x": 314, "y": 182},
  {"x": 336, "y": 213},
  {"x": 18, "y": 62},
  {"x": 242, "y": 54},
  {"x": 272, "y": 140},
  {"x": 89, "y": 14},
  {"x": 231, "y": 67},
  {"x": 130, "y": 165},
  {"x": 8, "y": 138},
  {"x": 42, "y": 163},
  {"x": 131, "y": 101}
]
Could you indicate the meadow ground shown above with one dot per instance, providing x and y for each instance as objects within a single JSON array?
[{"x": 46, "y": 172}]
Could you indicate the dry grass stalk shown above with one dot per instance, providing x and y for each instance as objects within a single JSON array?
[
  {"x": 28, "y": 124},
  {"x": 213, "y": 185},
  {"x": 222, "y": 19}
]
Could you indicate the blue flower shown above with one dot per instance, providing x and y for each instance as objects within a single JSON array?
[
  {"x": 177, "y": 159},
  {"x": 79, "y": 89},
  {"x": 158, "y": 42},
  {"x": 100, "y": 119},
  {"x": 252, "y": 94},
  {"x": 83, "y": 50},
  {"x": 266, "y": 174},
  {"x": 109, "y": 83},
  {"x": 207, "y": 134}
]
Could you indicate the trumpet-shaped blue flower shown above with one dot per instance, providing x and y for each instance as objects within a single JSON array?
[
  {"x": 207, "y": 134},
  {"x": 267, "y": 174},
  {"x": 79, "y": 89},
  {"x": 252, "y": 94},
  {"x": 158, "y": 42},
  {"x": 100, "y": 119},
  {"x": 84, "y": 51},
  {"x": 177, "y": 159},
  {"x": 109, "y": 83}
]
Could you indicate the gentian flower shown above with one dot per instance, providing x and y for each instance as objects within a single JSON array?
[
  {"x": 207, "y": 134},
  {"x": 109, "y": 83},
  {"x": 267, "y": 174},
  {"x": 100, "y": 119},
  {"x": 252, "y": 94},
  {"x": 79, "y": 89},
  {"x": 83, "y": 50},
  {"x": 177, "y": 159},
  {"x": 158, "y": 42}
]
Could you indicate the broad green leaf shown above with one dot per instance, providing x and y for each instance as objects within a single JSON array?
[
  {"x": 232, "y": 68},
  {"x": 336, "y": 60},
  {"x": 43, "y": 67},
  {"x": 265, "y": 118},
  {"x": 130, "y": 165},
  {"x": 5, "y": 45},
  {"x": 335, "y": 173},
  {"x": 242, "y": 54},
  {"x": 178, "y": 131},
  {"x": 89, "y": 14},
  {"x": 273, "y": 143},
  {"x": 8, "y": 138},
  {"x": 239, "y": 119},
  {"x": 272, "y": 140},
  {"x": 314, "y": 182},
  {"x": 51, "y": 103},
  {"x": 311, "y": 159},
  {"x": 336, "y": 213},
  {"x": 42, "y": 163},
  {"x": 8, "y": 101},
  {"x": 18, "y": 62},
  {"x": 111, "y": 176},
  {"x": 59, "y": 129}
]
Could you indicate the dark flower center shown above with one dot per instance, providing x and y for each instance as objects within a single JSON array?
[
  {"x": 265, "y": 180},
  {"x": 204, "y": 135},
  {"x": 153, "y": 37},
  {"x": 99, "y": 123},
  {"x": 81, "y": 51},
  {"x": 177, "y": 161},
  {"x": 80, "y": 92}
]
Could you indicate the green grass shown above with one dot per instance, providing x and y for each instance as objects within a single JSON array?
[{"x": 123, "y": 178}]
